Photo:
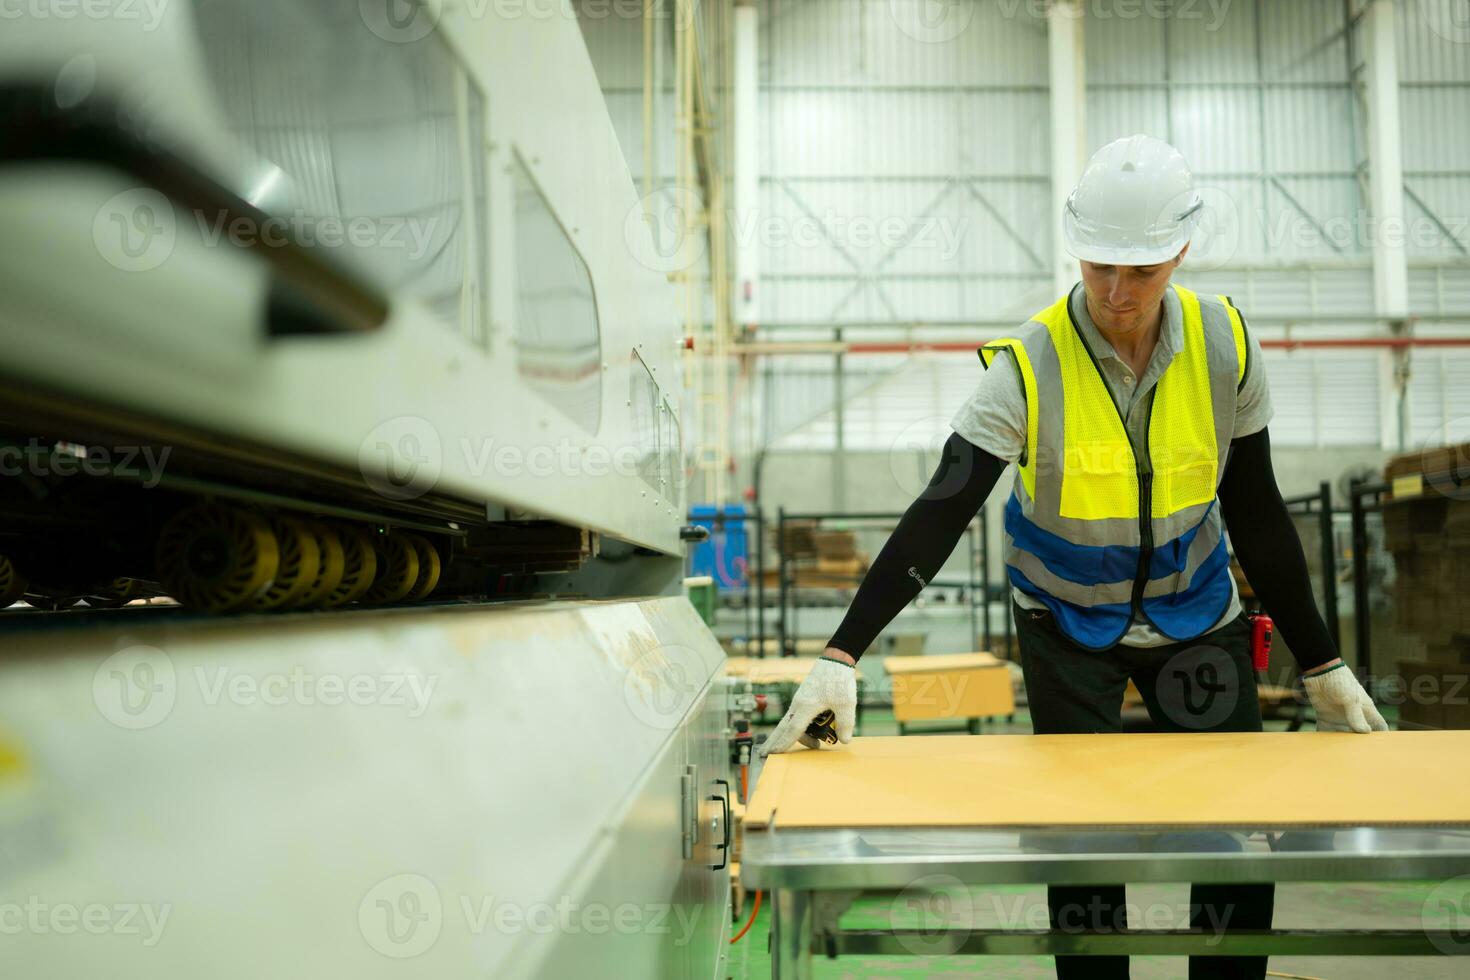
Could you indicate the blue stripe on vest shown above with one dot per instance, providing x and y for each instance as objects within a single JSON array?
[
  {"x": 1093, "y": 627},
  {"x": 1096, "y": 564},
  {"x": 1080, "y": 563},
  {"x": 1189, "y": 613},
  {"x": 1171, "y": 557}
]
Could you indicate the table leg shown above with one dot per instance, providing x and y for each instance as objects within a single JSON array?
[{"x": 791, "y": 935}]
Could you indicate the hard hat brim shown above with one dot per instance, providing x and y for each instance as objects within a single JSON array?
[{"x": 1079, "y": 248}]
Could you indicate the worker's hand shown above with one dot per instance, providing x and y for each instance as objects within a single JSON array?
[
  {"x": 1342, "y": 704},
  {"x": 831, "y": 686}
]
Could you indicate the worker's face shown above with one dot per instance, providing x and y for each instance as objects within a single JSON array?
[{"x": 1125, "y": 298}]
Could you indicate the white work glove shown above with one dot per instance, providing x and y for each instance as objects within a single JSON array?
[
  {"x": 1342, "y": 704},
  {"x": 831, "y": 686}
]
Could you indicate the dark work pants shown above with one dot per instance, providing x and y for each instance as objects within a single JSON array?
[{"x": 1205, "y": 685}]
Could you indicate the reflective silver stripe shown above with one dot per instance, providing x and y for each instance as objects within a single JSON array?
[
  {"x": 1039, "y": 575},
  {"x": 1030, "y": 565},
  {"x": 1203, "y": 545}
]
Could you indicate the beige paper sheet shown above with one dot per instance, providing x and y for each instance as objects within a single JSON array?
[
  {"x": 1280, "y": 779},
  {"x": 939, "y": 661},
  {"x": 773, "y": 670}
]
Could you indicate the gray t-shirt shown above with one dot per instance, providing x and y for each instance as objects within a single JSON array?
[{"x": 994, "y": 418}]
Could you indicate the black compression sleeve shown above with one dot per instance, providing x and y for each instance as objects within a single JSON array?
[
  {"x": 919, "y": 546},
  {"x": 1270, "y": 551}
]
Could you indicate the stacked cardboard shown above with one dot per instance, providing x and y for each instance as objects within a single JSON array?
[
  {"x": 820, "y": 559},
  {"x": 797, "y": 539},
  {"x": 1426, "y": 527},
  {"x": 1429, "y": 538}
]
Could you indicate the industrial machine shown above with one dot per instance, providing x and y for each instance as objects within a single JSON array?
[
  {"x": 368, "y": 273},
  {"x": 337, "y": 323}
]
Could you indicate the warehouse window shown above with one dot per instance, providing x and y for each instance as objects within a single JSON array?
[
  {"x": 558, "y": 340},
  {"x": 1324, "y": 397},
  {"x": 672, "y": 439},
  {"x": 366, "y": 149},
  {"x": 1439, "y": 397},
  {"x": 643, "y": 404}
]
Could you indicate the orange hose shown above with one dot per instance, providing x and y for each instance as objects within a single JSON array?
[
  {"x": 744, "y": 784},
  {"x": 739, "y": 935}
]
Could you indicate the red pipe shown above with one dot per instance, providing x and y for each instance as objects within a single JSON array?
[{"x": 1317, "y": 342}]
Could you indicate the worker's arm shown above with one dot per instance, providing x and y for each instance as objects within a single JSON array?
[
  {"x": 1270, "y": 553},
  {"x": 917, "y": 549},
  {"x": 924, "y": 539}
]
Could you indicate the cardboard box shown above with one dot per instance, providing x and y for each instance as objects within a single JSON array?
[
  {"x": 1434, "y": 695},
  {"x": 834, "y": 545},
  {"x": 1451, "y": 461},
  {"x": 954, "y": 686},
  {"x": 796, "y": 539}
]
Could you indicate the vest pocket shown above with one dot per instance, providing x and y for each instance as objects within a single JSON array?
[{"x": 1184, "y": 477}]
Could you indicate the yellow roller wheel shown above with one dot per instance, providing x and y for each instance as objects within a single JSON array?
[
  {"x": 301, "y": 560},
  {"x": 398, "y": 569},
  {"x": 359, "y": 567},
  {"x": 429, "y": 568},
  {"x": 12, "y": 582},
  {"x": 329, "y": 569},
  {"x": 216, "y": 558},
  {"x": 118, "y": 592}
]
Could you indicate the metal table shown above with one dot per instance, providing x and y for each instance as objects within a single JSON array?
[{"x": 796, "y": 865}]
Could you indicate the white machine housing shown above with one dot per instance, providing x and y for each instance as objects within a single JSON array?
[{"x": 462, "y": 161}]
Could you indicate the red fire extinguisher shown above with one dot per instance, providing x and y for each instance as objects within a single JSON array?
[{"x": 1261, "y": 630}]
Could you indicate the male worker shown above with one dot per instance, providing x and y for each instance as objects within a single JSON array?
[{"x": 1136, "y": 413}]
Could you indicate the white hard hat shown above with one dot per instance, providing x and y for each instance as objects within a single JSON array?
[{"x": 1135, "y": 204}]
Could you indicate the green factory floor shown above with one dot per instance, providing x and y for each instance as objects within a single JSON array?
[{"x": 1401, "y": 905}]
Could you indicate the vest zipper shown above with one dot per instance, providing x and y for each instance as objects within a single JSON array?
[
  {"x": 1145, "y": 479},
  {"x": 1145, "y": 513}
]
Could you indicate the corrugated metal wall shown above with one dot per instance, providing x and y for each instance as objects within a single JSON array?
[
  {"x": 905, "y": 179},
  {"x": 908, "y": 167}
]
